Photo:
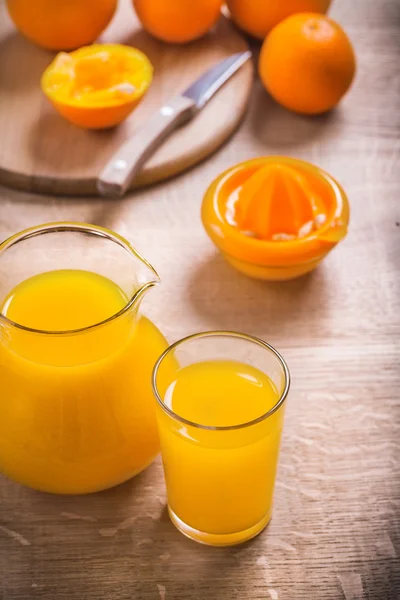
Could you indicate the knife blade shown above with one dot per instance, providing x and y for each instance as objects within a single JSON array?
[
  {"x": 125, "y": 164},
  {"x": 202, "y": 90}
]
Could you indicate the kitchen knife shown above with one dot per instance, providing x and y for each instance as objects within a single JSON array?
[{"x": 120, "y": 171}]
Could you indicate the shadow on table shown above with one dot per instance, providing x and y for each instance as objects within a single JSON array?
[
  {"x": 228, "y": 299},
  {"x": 118, "y": 544},
  {"x": 108, "y": 211},
  {"x": 282, "y": 130}
]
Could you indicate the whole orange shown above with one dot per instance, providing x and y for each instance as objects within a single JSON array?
[
  {"x": 61, "y": 24},
  {"x": 307, "y": 63},
  {"x": 258, "y": 17},
  {"x": 178, "y": 21}
]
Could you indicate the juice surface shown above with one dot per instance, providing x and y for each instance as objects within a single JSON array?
[
  {"x": 220, "y": 483},
  {"x": 63, "y": 300},
  {"x": 76, "y": 410},
  {"x": 221, "y": 393}
]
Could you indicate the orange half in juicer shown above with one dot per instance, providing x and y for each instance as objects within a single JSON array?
[{"x": 276, "y": 217}]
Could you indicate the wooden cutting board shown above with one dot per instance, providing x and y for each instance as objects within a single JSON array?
[{"x": 41, "y": 152}]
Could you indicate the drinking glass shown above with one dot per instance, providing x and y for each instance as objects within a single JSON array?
[{"x": 220, "y": 480}]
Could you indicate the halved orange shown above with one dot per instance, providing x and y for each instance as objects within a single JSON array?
[{"x": 97, "y": 86}]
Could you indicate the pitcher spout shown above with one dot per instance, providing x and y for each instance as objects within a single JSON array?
[
  {"x": 145, "y": 276},
  {"x": 147, "y": 279}
]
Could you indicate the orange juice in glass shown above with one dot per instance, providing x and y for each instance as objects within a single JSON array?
[
  {"x": 220, "y": 409},
  {"x": 76, "y": 405}
]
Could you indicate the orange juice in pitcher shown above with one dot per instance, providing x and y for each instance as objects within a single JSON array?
[{"x": 76, "y": 410}]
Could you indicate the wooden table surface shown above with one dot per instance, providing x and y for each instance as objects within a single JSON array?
[{"x": 335, "y": 532}]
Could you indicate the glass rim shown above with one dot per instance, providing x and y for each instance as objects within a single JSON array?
[
  {"x": 74, "y": 226},
  {"x": 222, "y": 333}
]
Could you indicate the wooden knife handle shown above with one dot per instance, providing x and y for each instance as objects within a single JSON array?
[{"x": 120, "y": 171}]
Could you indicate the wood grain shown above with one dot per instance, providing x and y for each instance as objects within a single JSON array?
[
  {"x": 42, "y": 152},
  {"x": 335, "y": 533}
]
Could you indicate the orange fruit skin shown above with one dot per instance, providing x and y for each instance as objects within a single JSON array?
[
  {"x": 99, "y": 117},
  {"x": 258, "y": 17},
  {"x": 178, "y": 21},
  {"x": 61, "y": 24},
  {"x": 307, "y": 63}
]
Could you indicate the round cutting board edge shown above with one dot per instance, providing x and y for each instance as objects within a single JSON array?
[
  {"x": 28, "y": 153},
  {"x": 149, "y": 175}
]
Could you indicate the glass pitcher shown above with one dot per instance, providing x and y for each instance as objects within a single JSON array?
[{"x": 76, "y": 406}]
